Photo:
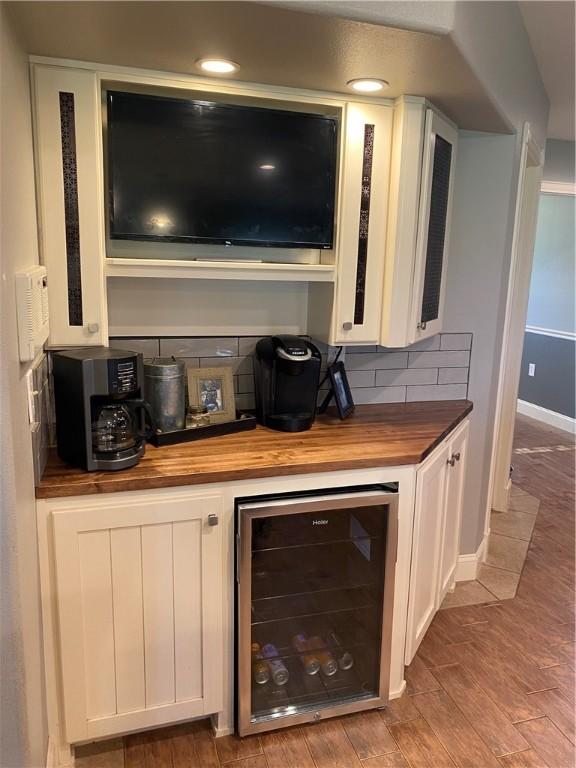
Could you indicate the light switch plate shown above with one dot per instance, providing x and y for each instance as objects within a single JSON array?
[{"x": 531, "y": 369}]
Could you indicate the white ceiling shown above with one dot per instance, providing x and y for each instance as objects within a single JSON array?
[{"x": 550, "y": 26}]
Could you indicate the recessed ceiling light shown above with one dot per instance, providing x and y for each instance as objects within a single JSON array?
[
  {"x": 218, "y": 66},
  {"x": 368, "y": 84},
  {"x": 267, "y": 167}
]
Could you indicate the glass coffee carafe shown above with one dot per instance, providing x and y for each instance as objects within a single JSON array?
[{"x": 119, "y": 426}]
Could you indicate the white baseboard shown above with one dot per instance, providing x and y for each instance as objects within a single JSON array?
[
  {"x": 468, "y": 565},
  {"x": 551, "y": 418}
]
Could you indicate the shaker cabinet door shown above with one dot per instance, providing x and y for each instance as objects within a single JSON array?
[
  {"x": 456, "y": 468},
  {"x": 361, "y": 227},
  {"x": 139, "y": 595},
  {"x": 69, "y": 170},
  {"x": 426, "y": 548},
  {"x": 439, "y": 159}
]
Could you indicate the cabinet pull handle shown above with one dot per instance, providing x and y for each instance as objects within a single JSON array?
[
  {"x": 421, "y": 326},
  {"x": 213, "y": 520},
  {"x": 347, "y": 326},
  {"x": 451, "y": 461},
  {"x": 93, "y": 327},
  {"x": 456, "y": 456}
]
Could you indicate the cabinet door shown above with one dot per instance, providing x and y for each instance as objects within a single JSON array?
[
  {"x": 68, "y": 140},
  {"x": 426, "y": 548},
  {"x": 457, "y": 449},
  {"x": 361, "y": 235},
  {"x": 439, "y": 160},
  {"x": 139, "y": 595}
]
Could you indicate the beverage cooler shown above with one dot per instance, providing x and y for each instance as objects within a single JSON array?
[{"x": 315, "y": 593}]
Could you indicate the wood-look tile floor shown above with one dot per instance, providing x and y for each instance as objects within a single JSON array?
[{"x": 492, "y": 685}]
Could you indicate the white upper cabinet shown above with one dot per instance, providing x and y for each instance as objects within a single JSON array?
[
  {"x": 69, "y": 183},
  {"x": 421, "y": 185},
  {"x": 361, "y": 223}
]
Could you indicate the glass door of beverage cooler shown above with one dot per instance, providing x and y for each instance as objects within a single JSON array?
[{"x": 314, "y": 613}]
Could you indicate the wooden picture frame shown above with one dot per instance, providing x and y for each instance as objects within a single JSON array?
[
  {"x": 341, "y": 389},
  {"x": 214, "y": 388}
]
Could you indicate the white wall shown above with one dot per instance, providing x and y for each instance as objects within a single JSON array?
[
  {"x": 23, "y": 730},
  {"x": 479, "y": 259}
]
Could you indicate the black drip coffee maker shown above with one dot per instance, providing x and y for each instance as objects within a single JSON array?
[{"x": 101, "y": 419}]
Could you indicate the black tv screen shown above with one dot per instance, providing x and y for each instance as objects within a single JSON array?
[{"x": 201, "y": 172}]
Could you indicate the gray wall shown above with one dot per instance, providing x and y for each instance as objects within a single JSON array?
[
  {"x": 486, "y": 175},
  {"x": 559, "y": 162},
  {"x": 23, "y": 729},
  {"x": 551, "y": 303},
  {"x": 554, "y": 383}
]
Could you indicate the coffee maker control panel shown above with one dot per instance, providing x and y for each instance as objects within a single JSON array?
[{"x": 122, "y": 376}]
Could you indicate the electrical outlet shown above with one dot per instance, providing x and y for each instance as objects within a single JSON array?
[{"x": 531, "y": 369}]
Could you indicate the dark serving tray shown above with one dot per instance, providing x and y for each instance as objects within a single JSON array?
[{"x": 242, "y": 423}]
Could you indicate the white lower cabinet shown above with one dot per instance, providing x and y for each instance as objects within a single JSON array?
[
  {"x": 437, "y": 519},
  {"x": 138, "y": 588}
]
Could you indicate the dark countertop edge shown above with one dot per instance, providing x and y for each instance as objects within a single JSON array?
[{"x": 91, "y": 488}]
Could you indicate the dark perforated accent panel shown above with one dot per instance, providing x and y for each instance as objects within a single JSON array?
[
  {"x": 436, "y": 229},
  {"x": 70, "y": 176},
  {"x": 362, "y": 261}
]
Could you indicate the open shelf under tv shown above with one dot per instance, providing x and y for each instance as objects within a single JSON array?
[{"x": 219, "y": 270}]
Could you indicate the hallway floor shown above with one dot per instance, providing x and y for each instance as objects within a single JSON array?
[{"x": 492, "y": 685}]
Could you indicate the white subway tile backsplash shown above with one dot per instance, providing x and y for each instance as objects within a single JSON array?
[
  {"x": 438, "y": 359},
  {"x": 453, "y": 376},
  {"x": 245, "y": 402},
  {"x": 432, "y": 369},
  {"x": 436, "y": 392},
  {"x": 361, "y": 378},
  {"x": 200, "y": 347},
  {"x": 247, "y": 345},
  {"x": 406, "y": 376},
  {"x": 190, "y": 362},
  {"x": 238, "y": 364},
  {"x": 245, "y": 383},
  {"x": 377, "y": 361},
  {"x": 452, "y": 341},
  {"x": 368, "y": 395},
  {"x": 147, "y": 347}
]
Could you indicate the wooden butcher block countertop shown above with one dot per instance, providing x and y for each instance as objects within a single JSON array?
[{"x": 374, "y": 436}]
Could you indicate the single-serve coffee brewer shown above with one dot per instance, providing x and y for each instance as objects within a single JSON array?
[{"x": 101, "y": 419}]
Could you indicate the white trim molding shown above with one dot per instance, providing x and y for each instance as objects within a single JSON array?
[
  {"x": 569, "y": 335},
  {"x": 558, "y": 188},
  {"x": 468, "y": 566},
  {"x": 551, "y": 418}
]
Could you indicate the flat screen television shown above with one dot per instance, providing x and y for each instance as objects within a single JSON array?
[{"x": 202, "y": 172}]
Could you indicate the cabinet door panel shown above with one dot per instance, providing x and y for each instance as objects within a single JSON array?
[
  {"x": 69, "y": 170},
  {"x": 158, "y": 603},
  {"x": 97, "y": 621},
  {"x": 440, "y": 141},
  {"x": 453, "y": 518},
  {"x": 139, "y": 591},
  {"x": 361, "y": 235},
  {"x": 428, "y": 527},
  {"x": 126, "y": 552}
]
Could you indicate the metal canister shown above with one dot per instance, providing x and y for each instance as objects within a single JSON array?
[{"x": 165, "y": 390}]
